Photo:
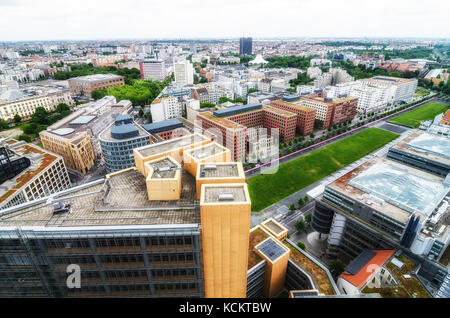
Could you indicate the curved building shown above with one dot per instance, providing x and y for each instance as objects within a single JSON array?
[{"x": 118, "y": 141}]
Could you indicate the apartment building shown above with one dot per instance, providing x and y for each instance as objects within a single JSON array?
[
  {"x": 332, "y": 77},
  {"x": 305, "y": 116},
  {"x": 153, "y": 69},
  {"x": 17, "y": 102},
  {"x": 184, "y": 72},
  {"x": 84, "y": 86},
  {"x": 29, "y": 173},
  {"x": 403, "y": 88},
  {"x": 166, "y": 108}
]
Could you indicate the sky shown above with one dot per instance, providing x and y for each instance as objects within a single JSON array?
[{"x": 36, "y": 20}]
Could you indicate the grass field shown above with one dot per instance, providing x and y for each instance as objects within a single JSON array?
[
  {"x": 415, "y": 116},
  {"x": 297, "y": 174}
]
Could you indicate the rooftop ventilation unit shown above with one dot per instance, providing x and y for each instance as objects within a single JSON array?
[
  {"x": 226, "y": 197},
  {"x": 60, "y": 207},
  {"x": 164, "y": 169},
  {"x": 203, "y": 155},
  {"x": 210, "y": 167}
]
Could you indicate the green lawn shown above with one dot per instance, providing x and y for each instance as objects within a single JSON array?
[
  {"x": 421, "y": 92},
  {"x": 415, "y": 116},
  {"x": 297, "y": 174}
]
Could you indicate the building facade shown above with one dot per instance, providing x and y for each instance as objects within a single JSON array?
[{"x": 84, "y": 86}]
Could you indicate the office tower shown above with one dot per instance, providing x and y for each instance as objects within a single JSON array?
[{"x": 245, "y": 47}]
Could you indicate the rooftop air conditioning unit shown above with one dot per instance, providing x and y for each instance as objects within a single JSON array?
[
  {"x": 226, "y": 197},
  {"x": 210, "y": 167}
]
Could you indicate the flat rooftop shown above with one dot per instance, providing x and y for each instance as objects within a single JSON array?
[
  {"x": 393, "y": 189},
  {"x": 167, "y": 146},
  {"x": 120, "y": 200},
  {"x": 163, "y": 169},
  {"x": 96, "y": 78},
  {"x": 207, "y": 151},
  {"x": 221, "y": 121},
  {"x": 291, "y": 104},
  {"x": 426, "y": 145},
  {"x": 107, "y": 135},
  {"x": 279, "y": 111},
  {"x": 225, "y": 194},
  {"x": 271, "y": 249},
  {"x": 216, "y": 170},
  {"x": 40, "y": 160}
]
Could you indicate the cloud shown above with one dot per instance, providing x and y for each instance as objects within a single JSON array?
[{"x": 89, "y": 19}]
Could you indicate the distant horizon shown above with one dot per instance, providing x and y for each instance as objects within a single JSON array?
[
  {"x": 85, "y": 20},
  {"x": 281, "y": 38}
]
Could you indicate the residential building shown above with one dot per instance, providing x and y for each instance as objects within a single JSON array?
[
  {"x": 29, "y": 173},
  {"x": 184, "y": 72},
  {"x": 314, "y": 72},
  {"x": 403, "y": 88},
  {"x": 245, "y": 46},
  {"x": 166, "y": 108},
  {"x": 153, "y": 69},
  {"x": 332, "y": 77},
  {"x": 84, "y": 86}
]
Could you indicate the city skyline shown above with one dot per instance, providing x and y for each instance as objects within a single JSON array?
[{"x": 181, "y": 19}]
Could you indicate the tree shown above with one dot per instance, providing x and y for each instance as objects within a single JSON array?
[
  {"x": 4, "y": 124},
  {"x": 300, "y": 202},
  {"x": 300, "y": 226},
  {"x": 308, "y": 218},
  {"x": 62, "y": 107},
  {"x": 224, "y": 99},
  {"x": 141, "y": 112},
  {"x": 40, "y": 116},
  {"x": 336, "y": 268},
  {"x": 306, "y": 198},
  {"x": 17, "y": 118},
  {"x": 206, "y": 105},
  {"x": 301, "y": 245},
  {"x": 311, "y": 135},
  {"x": 292, "y": 207}
]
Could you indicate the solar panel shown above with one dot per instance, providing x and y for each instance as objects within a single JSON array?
[
  {"x": 359, "y": 262},
  {"x": 271, "y": 249}
]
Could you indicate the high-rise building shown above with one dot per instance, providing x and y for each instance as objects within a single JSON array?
[
  {"x": 165, "y": 108},
  {"x": 153, "y": 69},
  {"x": 184, "y": 72},
  {"x": 246, "y": 46}
]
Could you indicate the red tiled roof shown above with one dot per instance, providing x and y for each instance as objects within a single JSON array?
[{"x": 380, "y": 258}]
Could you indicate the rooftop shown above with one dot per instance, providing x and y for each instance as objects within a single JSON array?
[
  {"x": 163, "y": 126},
  {"x": 163, "y": 168},
  {"x": 271, "y": 249},
  {"x": 426, "y": 145},
  {"x": 393, "y": 189},
  {"x": 219, "y": 170},
  {"x": 230, "y": 193},
  {"x": 120, "y": 199},
  {"x": 298, "y": 106},
  {"x": 123, "y": 132},
  {"x": 96, "y": 78},
  {"x": 359, "y": 270},
  {"x": 170, "y": 145},
  {"x": 207, "y": 151},
  {"x": 40, "y": 160}
]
